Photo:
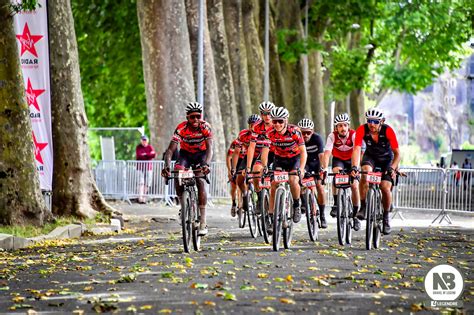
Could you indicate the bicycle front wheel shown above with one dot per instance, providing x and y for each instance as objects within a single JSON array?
[
  {"x": 186, "y": 220},
  {"x": 251, "y": 215},
  {"x": 341, "y": 217},
  {"x": 196, "y": 236},
  {"x": 349, "y": 214},
  {"x": 370, "y": 214},
  {"x": 378, "y": 221},
  {"x": 278, "y": 217},
  {"x": 264, "y": 219},
  {"x": 311, "y": 218}
]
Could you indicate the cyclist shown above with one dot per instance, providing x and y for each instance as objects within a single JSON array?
[
  {"x": 290, "y": 155},
  {"x": 381, "y": 151},
  {"x": 233, "y": 185},
  {"x": 340, "y": 143},
  {"x": 240, "y": 155},
  {"x": 195, "y": 139},
  {"x": 314, "y": 148},
  {"x": 259, "y": 141}
]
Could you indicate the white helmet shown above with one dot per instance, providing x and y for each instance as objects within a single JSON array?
[
  {"x": 342, "y": 118},
  {"x": 374, "y": 113},
  {"x": 279, "y": 113},
  {"x": 306, "y": 123},
  {"x": 193, "y": 107},
  {"x": 266, "y": 106}
]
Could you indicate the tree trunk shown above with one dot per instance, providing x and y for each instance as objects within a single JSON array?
[
  {"x": 20, "y": 195},
  {"x": 255, "y": 56},
  {"x": 212, "y": 111},
  {"x": 277, "y": 84},
  {"x": 223, "y": 70},
  {"x": 74, "y": 189},
  {"x": 238, "y": 58},
  {"x": 317, "y": 92},
  {"x": 357, "y": 107},
  {"x": 167, "y": 66}
]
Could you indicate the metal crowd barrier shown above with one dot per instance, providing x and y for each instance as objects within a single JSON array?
[{"x": 423, "y": 188}]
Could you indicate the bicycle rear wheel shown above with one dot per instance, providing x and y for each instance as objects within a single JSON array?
[
  {"x": 241, "y": 212},
  {"x": 196, "y": 236},
  {"x": 186, "y": 220},
  {"x": 370, "y": 214},
  {"x": 378, "y": 220},
  {"x": 251, "y": 216},
  {"x": 311, "y": 220},
  {"x": 278, "y": 217},
  {"x": 264, "y": 219},
  {"x": 341, "y": 217}
]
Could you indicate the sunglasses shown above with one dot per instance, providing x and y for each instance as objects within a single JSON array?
[
  {"x": 306, "y": 133},
  {"x": 278, "y": 121},
  {"x": 373, "y": 121},
  {"x": 265, "y": 113},
  {"x": 191, "y": 117}
]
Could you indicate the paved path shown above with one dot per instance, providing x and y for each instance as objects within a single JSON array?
[{"x": 143, "y": 270}]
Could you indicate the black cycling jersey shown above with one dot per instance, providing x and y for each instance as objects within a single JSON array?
[{"x": 314, "y": 147}]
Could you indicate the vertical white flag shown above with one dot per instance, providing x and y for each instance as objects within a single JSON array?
[{"x": 33, "y": 47}]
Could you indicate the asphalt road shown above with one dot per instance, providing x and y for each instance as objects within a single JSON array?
[{"x": 143, "y": 270}]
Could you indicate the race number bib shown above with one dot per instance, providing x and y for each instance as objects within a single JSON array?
[
  {"x": 341, "y": 179},
  {"x": 374, "y": 178},
  {"x": 266, "y": 183},
  {"x": 280, "y": 177},
  {"x": 308, "y": 182},
  {"x": 183, "y": 174}
]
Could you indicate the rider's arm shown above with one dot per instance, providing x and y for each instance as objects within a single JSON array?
[
  {"x": 303, "y": 157},
  {"x": 392, "y": 138},
  {"x": 228, "y": 161},
  {"x": 208, "y": 151},
  {"x": 264, "y": 156},
  {"x": 359, "y": 137},
  {"x": 235, "y": 158},
  {"x": 396, "y": 158},
  {"x": 169, "y": 153},
  {"x": 250, "y": 153},
  {"x": 355, "y": 160},
  {"x": 327, "y": 150}
]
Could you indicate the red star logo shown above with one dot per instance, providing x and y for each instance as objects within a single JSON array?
[
  {"x": 28, "y": 41},
  {"x": 38, "y": 148},
  {"x": 32, "y": 94}
]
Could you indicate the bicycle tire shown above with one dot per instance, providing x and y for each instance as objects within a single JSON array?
[
  {"x": 311, "y": 221},
  {"x": 278, "y": 218},
  {"x": 186, "y": 221},
  {"x": 242, "y": 214},
  {"x": 370, "y": 207},
  {"x": 288, "y": 216},
  {"x": 349, "y": 213},
  {"x": 196, "y": 236},
  {"x": 251, "y": 216},
  {"x": 378, "y": 221},
  {"x": 264, "y": 219},
  {"x": 340, "y": 217}
]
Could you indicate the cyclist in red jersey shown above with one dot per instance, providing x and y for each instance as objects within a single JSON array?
[
  {"x": 381, "y": 151},
  {"x": 194, "y": 137},
  {"x": 239, "y": 159},
  {"x": 233, "y": 185},
  {"x": 290, "y": 155},
  {"x": 340, "y": 143},
  {"x": 258, "y": 142}
]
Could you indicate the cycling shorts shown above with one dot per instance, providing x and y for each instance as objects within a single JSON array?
[
  {"x": 343, "y": 164},
  {"x": 243, "y": 163},
  {"x": 187, "y": 159},
  {"x": 286, "y": 164},
  {"x": 313, "y": 166},
  {"x": 383, "y": 164}
]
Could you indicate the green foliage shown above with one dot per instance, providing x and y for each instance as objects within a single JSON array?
[
  {"x": 27, "y": 231},
  {"x": 110, "y": 60},
  {"x": 25, "y": 6},
  {"x": 467, "y": 146},
  {"x": 290, "y": 49}
]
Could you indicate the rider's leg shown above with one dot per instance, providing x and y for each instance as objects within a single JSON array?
[
  {"x": 233, "y": 193},
  {"x": 295, "y": 193},
  {"x": 386, "y": 188},
  {"x": 334, "y": 193},
  {"x": 355, "y": 204},
  {"x": 256, "y": 181},
  {"x": 321, "y": 203},
  {"x": 363, "y": 187},
  {"x": 202, "y": 198}
]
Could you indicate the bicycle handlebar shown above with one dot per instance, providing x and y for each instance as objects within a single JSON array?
[{"x": 167, "y": 178}]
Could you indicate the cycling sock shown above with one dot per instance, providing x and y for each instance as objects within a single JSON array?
[
  {"x": 362, "y": 203},
  {"x": 233, "y": 202},
  {"x": 386, "y": 216},
  {"x": 335, "y": 200},
  {"x": 321, "y": 209},
  {"x": 355, "y": 210},
  {"x": 296, "y": 203}
]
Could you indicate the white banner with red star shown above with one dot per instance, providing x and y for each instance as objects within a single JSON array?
[{"x": 33, "y": 47}]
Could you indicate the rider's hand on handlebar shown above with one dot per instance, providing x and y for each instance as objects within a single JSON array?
[
  {"x": 391, "y": 172},
  {"x": 302, "y": 172},
  {"x": 323, "y": 174},
  {"x": 205, "y": 169},
  {"x": 354, "y": 171},
  {"x": 166, "y": 172}
]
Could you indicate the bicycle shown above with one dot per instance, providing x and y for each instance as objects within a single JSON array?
[
  {"x": 190, "y": 214},
  {"x": 374, "y": 216},
  {"x": 283, "y": 214},
  {"x": 264, "y": 196},
  {"x": 309, "y": 203},
  {"x": 345, "y": 222}
]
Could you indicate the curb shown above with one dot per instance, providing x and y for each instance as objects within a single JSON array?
[{"x": 11, "y": 242}]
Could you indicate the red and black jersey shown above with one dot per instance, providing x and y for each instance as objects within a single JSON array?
[
  {"x": 244, "y": 141},
  {"x": 232, "y": 147},
  {"x": 341, "y": 148},
  {"x": 192, "y": 139},
  {"x": 382, "y": 148},
  {"x": 259, "y": 136},
  {"x": 288, "y": 144}
]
